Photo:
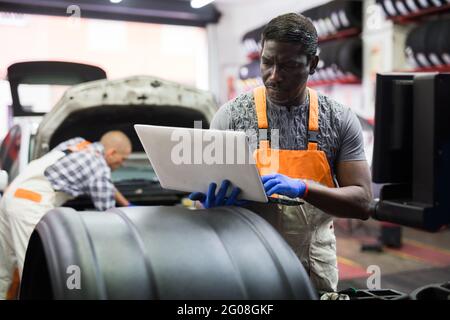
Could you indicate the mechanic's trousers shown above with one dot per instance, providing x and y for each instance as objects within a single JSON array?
[{"x": 28, "y": 198}]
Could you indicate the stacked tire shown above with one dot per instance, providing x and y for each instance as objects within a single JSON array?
[
  {"x": 340, "y": 60},
  {"x": 335, "y": 17},
  {"x": 252, "y": 43},
  {"x": 404, "y": 8},
  {"x": 428, "y": 45}
]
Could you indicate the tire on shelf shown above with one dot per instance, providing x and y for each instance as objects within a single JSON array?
[
  {"x": 420, "y": 49},
  {"x": 412, "y": 5},
  {"x": 343, "y": 55},
  {"x": 325, "y": 14},
  {"x": 160, "y": 253},
  {"x": 389, "y": 8},
  {"x": 410, "y": 48},
  {"x": 443, "y": 44},
  {"x": 416, "y": 45},
  {"x": 425, "y": 4},
  {"x": 438, "y": 3},
  {"x": 353, "y": 10},
  {"x": 334, "y": 16},
  {"x": 349, "y": 56},
  {"x": 432, "y": 43},
  {"x": 401, "y": 7},
  {"x": 327, "y": 56}
]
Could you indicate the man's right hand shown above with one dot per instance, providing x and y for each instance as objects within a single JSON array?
[{"x": 211, "y": 200}]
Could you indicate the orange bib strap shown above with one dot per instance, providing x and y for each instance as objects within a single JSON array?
[
  {"x": 313, "y": 110},
  {"x": 80, "y": 146},
  {"x": 313, "y": 126},
  {"x": 259, "y": 95},
  {"x": 28, "y": 195}
]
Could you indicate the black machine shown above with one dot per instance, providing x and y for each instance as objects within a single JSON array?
[{"x": 412, "y": 149}]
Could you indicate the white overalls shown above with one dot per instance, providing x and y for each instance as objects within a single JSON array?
[{"x": 28, "y": 198}]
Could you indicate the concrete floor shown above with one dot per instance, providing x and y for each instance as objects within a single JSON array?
[{"x": 423, "y": 259}]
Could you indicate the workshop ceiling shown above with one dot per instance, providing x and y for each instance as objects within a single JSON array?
[{"x": 177, "y": 12}]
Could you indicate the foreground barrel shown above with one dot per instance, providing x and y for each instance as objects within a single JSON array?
[{"x": 160, "y": 253}]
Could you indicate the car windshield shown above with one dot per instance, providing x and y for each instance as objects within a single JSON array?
[{"x": 136, "y": 167}]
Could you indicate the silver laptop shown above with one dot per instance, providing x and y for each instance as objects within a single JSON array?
[{"x": 187, "y": 159}]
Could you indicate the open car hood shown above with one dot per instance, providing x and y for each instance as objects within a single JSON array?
[
  {"x": 93, "y": 108},
  {"x": 47, "y": 72}
]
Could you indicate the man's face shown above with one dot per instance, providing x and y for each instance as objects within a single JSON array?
[
  {"x": 115, "y": 158},
  {"x": 285, "y": 69}
]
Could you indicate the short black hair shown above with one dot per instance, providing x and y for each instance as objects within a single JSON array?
[{"x": 293, "y": 28}]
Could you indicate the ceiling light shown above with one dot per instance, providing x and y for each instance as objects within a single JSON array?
[
  {"x": 116, "y": 1},
  {"x": 200, "y": 3}
]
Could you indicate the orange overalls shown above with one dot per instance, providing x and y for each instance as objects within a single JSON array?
[{"x": 308, "y": 230}]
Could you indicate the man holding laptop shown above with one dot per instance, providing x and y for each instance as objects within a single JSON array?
[{"x": 320, "y": 157}]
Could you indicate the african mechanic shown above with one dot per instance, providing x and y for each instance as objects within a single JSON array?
[{"x": 320, "y": 152}]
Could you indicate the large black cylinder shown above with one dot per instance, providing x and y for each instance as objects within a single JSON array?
[{"x": 160, "y": 253}]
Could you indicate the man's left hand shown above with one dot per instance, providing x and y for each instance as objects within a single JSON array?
[{"x": 283, "y": 185}]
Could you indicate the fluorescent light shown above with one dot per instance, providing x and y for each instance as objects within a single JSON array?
[
  {"x": 200, "y": 3},
  {"x": 116, "y": 1}
]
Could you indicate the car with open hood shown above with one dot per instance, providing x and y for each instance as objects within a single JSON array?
[
  {"x": 90, "y": 109},
  {"x": 34, "y": 86}
]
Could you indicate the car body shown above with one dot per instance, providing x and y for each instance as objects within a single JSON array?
[{"x": 17, "y": 146}]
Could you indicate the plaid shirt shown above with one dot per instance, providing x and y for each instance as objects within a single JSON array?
[{"x": 83, "y": 173}]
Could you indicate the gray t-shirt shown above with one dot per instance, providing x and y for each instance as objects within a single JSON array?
[{"x": 340, "y": 134}]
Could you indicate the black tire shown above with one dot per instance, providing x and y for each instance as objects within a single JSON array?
[
  {"x": 443, "y": 44},
  {"x": 402, "y": 8},
  {"x": 345, "y": 54},
  {"x": 312, "y": 13},
  {"x": 432, "y": 42},
  {"x": 330, "y": 25},
  {"x": 438, "y": 3},
  {"x": 412, "y": 5},
  {"x": 411, "y": 47},
  {"x": 349, "y": 56},
  {"x": 389, "y": 8},
  {"x": 161, "y": 253},
  {"x": 419, "y": 45},
  {"x": 353, "y": 9},
  {"x": 425, "y": 4},
  {"x": 322, "y": 12},
  {"x": 327, "y": 55}
]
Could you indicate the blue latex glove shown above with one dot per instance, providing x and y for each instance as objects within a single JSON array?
[
  {"x": 211, "y": 200},
  {"x": 283, "y": 185}
]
